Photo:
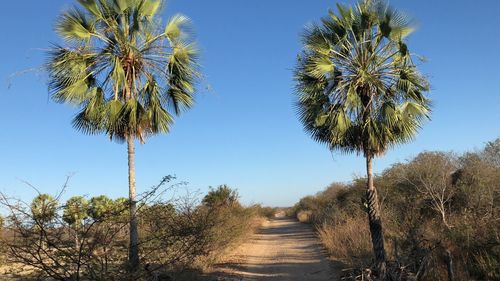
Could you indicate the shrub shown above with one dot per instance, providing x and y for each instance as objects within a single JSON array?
[
  {"x": 222, "y": 196},
  {"x": 305, "y": 216},
  {"x": 266, "y": 212}
]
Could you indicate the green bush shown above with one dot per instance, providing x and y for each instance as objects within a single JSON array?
[{"x": 222, "y": 196}]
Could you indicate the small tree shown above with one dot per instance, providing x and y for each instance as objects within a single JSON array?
[
  {"x": 74, "y": 214},
  {"x": 222, "y": 196},
  {"x": 491, "y": 152},
  {"x": 477, "y": 180},
  {"x": 430, "y": 173}
]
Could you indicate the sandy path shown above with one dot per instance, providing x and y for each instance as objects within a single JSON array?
[{"x": 282, "y": 250}]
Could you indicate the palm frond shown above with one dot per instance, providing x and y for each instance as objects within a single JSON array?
[
  {"x": 177, "y": 28},
  {"x": 74, "y": 25}
]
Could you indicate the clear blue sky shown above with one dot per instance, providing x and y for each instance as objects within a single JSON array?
[{"x": 244, "y": 131}]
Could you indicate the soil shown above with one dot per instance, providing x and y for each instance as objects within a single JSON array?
[{"x": 282, "y": 250}]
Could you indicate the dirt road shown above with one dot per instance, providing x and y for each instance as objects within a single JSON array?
[{"x": 282, "y": 250}]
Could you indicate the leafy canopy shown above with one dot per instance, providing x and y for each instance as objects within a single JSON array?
[
  {"x": 358, "y": 87},
  {"x": 126, "y": 72}
]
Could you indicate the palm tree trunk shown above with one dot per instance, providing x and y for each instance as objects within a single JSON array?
[
  {"x": 134, "y": 236},
  {"x": 77, "y": 240},
  {"x": 375, "y": 221}
]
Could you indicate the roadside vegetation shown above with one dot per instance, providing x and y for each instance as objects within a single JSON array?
[
  {"x": 440, "y": 210},
  {"x": 88, "y": 238}
]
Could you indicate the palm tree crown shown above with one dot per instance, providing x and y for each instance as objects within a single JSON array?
[
  {"x": 126, "y": 73},
  {"x": 358, "y": 87}
]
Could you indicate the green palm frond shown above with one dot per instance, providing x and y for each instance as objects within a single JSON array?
[
  {"x": 127, "y": 75},
  {"x": 74, "y": 25},
  {"x": 177, "y": 28},
  {"x": 357, "y": 87},
  {"x": 149, "y": 8},
  {"x": 91, "y": 6},
  {"x": 159, "y": 118}
]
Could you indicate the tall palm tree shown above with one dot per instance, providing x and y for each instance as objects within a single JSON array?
[
  {"x": 128, "y": 75},
  {"x": 359, "y": 90}
]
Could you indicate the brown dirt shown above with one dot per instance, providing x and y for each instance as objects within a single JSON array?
[{"x": 282, "y": 250}]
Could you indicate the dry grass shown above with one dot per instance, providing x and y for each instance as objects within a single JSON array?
[
  {"x": 221, "y": 254},
  {"x": 348, "y": 242},
  {"x": 304, "y": 216},
  {"x": 228, "y": 237}
]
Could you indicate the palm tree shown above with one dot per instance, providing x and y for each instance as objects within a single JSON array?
[
  {"x": 359, "y": 90},
  {"x": 100, "y": 208},
  {"x": 75, "y": 211},
  {"x": 127, "y": 74},
  {"x": 44, "y": 209},
  {"x": 74, "y": 214},
  {"x": 43, "y": 212}
]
